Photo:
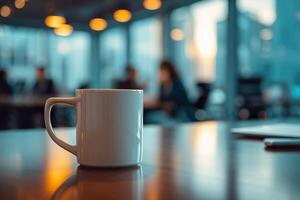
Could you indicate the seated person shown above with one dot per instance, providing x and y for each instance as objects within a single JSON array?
[
  {"x": 130, "y": 81},
  {"x": 5, "y": 90},
  {"x": 5, "y": 87},
  {"x": 43, "y": 86},
  {"x": 172, "y": 96}
]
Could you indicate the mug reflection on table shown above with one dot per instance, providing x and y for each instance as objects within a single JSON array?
[{"x": 93, "y": 183}]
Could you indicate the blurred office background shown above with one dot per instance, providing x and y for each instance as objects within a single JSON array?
[{"x": 237, "y": 59}]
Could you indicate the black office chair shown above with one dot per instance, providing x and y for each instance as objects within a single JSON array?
[
  {"x": 203, "y": 89},
  {"x": 199, "y": 111},
  {"x": 250, "y": 102}
]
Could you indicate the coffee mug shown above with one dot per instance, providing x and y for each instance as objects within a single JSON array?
[{"x": 109, "y": 126}]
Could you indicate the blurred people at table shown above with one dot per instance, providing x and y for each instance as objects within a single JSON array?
[
  {"x": 43, "y": 86},
  {"x": 172, "y": 96},
  {"x": 5, "y": 87},
  {"x": 130, "y": 81}
]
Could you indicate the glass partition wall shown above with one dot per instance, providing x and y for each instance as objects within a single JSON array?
[
  {"x": 146, "y": 51},
  {"x": 198, "y": 33},
  {"x": 268, "y": 83},
  {"x": 268, "y": 52},
  {"x": 23, "y": 50}
]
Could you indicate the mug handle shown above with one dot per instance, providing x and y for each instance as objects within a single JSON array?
[{"x": 70, "y": 101}]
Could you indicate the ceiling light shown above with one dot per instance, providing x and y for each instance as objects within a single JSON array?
[
  {"x": 54, "y": 21},
  {"x": 19, "y": 4},
  {"x": 122, "y": 15},
  {"x": 152, "y": 4},
  {"x": 64, "y": 30},
  {"x": 5, "y": 11},
  {"x": 98, "y": 24}
]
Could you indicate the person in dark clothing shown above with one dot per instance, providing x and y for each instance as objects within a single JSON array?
[
  {"x": 5, "y": 91},
  {"x": 5, "y": 88},
  {"x": 173, "y": 96},
  {"x": 43, "y": 86},
  {"x": 130, "y": 81}
]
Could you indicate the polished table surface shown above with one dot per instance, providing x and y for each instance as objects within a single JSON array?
[{"x": 189, "y": 161}]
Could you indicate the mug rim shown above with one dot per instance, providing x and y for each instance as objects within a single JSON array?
[{"x": 108, "y": 90}]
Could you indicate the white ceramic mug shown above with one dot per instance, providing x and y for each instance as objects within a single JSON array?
[{"x": 109, "y": 126}]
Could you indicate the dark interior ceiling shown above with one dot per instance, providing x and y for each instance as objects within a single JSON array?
[{"x": 79, "y": 12}]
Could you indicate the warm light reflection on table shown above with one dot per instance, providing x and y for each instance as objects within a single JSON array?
[
  {"x": 58, "y": 164},
  {"x": 204, "y": 141}
]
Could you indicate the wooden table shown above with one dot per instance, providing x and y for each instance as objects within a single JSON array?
[{"x": 190, "y": 161}]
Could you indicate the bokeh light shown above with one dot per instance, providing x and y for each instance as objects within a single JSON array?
[
  {"x": 64, "y": 30},
  {"x": 98, "y": 24},
  {"x": 20, "y": 4},
  {"x": 54, "y": 21},
  {"x": 122, "y": 15},
  {"x": 5, "y": 11},
  {"x": 266, "y": 34},
  {"x": 152, "y": 4},
  {"x": 177, "y": 34}
]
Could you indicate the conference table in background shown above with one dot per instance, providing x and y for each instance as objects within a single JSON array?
[
  {"x": 39, "y": 101},
  {"x": 189, "y": 161},
  {"x": 25, "y": 112}
]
